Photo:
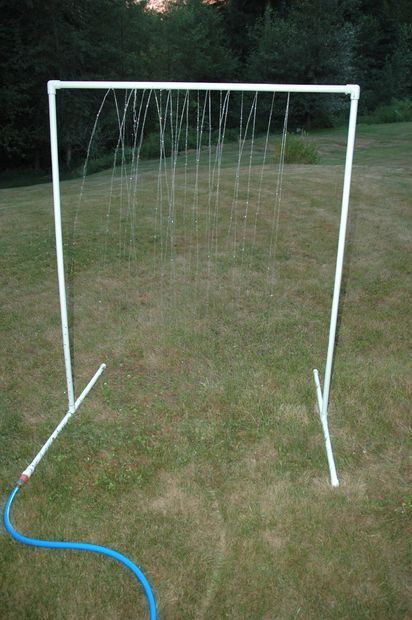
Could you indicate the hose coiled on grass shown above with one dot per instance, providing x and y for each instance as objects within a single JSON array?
[{"x": 50, "y": 544}]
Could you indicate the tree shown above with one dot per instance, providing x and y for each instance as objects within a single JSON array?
[
  {"x": 240, "y": 17},
  {"x": 397, "y": 71},
  {"x": 62, "y": 39},
  {"x": 382, "y": 51},
  {"x": 192, "y": 46},
  {"x": 311, "y": 45}
]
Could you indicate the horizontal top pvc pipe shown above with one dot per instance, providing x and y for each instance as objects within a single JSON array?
[{"x": 347, "y": 89}]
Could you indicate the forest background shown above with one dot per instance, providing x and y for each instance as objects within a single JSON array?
[{"x": 368, "y": 42}]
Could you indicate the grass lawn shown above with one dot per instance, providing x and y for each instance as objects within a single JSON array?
[{"x": 199, "y": 454}]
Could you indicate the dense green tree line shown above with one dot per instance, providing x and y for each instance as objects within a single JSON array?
[{"x": 307, "y": 41}]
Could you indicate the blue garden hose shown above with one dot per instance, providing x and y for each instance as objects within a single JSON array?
[{"x": 50, "y": 544}]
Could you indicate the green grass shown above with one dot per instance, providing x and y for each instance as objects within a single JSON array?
[
  {"x": 377, "y": 145},
  {"x": 199, "y": 453}
]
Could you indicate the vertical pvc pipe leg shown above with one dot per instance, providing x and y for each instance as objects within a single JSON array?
[
  {"x": 59, "y": 245},
  {"x": 318, "y": 389},
  {"x": 329, "y": 454},
  {"x": 338, "y": 280},
  {"x": 340, "y": 253}
]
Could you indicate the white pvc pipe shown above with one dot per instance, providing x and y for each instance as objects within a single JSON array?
[
  {"x": 318, "y": 390},
  {"x": 347, "y": 89},
  {"x": 59, "y": 249},
  {"x": 325, "y": 428},
  {"x": 89, "y": 386},
  {"x": 329, "y": 453},
  {"x": 30, "y": 468},
  {"x": 340, "y": 253},
  {"x": 323, "y": 397},
  {"x": 72, "y": 404}
]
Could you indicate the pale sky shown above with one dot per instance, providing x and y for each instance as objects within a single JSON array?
[{"x": 158, "y": 5}]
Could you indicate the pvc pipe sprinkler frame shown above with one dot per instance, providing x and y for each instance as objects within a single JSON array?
[
  {"x": 349, "y": 89},
  {"x": 352, "y": 90}
]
